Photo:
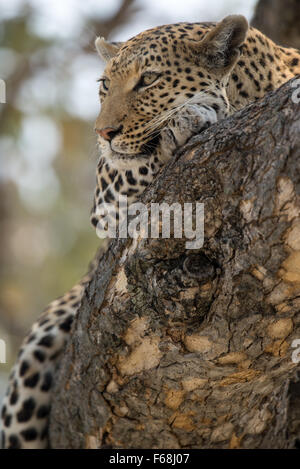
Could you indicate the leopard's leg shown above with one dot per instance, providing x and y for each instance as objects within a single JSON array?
[{"x": 191, "y": 119}]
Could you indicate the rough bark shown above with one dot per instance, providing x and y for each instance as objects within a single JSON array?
[
  {"x": 175, "y": 348},
  {"x": 280, "y": 20}
]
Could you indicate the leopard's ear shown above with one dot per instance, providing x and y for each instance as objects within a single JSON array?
[
  {"x": 220, "y": 48},
  {"x": 107, "y": 50}
]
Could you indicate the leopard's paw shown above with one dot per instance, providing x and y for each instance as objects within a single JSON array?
[{"x": 190, "y": 120}]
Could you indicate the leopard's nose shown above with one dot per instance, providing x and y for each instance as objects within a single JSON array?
[{"x": 108, "y": 133}]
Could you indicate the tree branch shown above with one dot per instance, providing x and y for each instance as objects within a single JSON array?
[
  {"x": 279, "y": 20},
  {"x": 192, "y": 349}
]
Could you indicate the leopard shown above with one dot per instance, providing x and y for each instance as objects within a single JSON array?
[{"x": 158, "y": 89}]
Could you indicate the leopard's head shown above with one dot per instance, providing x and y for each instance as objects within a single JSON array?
[{"x": 150, "y": 76}]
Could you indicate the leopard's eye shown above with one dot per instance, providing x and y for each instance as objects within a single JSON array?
[
  {"x": 147, "y": 79},
  {"x": 104, "y": 84}
]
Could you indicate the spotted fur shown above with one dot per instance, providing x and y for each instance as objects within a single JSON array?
[{"x": 158, "y": 89}]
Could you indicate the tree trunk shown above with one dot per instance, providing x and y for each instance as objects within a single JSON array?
[
  {"x": 280, "y": 20},
  {"x": 174, "y": 348}
]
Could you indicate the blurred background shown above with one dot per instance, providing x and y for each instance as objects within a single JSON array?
[{"x": 47, "y": 146}]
